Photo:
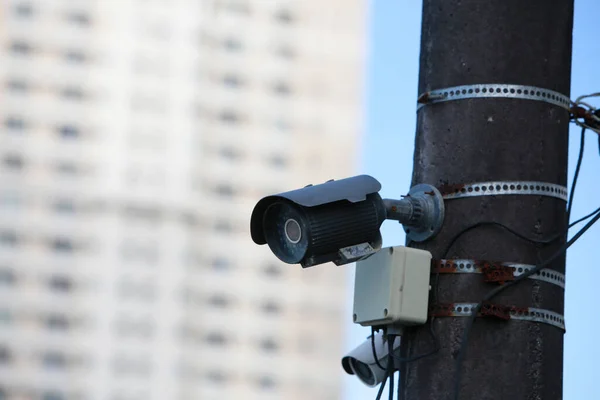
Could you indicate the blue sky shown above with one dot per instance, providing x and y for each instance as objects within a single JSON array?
[{"x": 394, "y": 29}]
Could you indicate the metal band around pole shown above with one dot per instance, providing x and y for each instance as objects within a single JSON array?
[
  {"x": 489, "y": 90},
  {"x": 469, "y": 266},
  {"x": 522, "y": 314},
  {"x": 495, "y": 188}
]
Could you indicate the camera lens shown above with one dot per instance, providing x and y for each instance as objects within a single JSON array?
[
  {"x": 293, "y": 232},
  {"x": 286, "y": 232},
  {"x": 362, "y": 371}
]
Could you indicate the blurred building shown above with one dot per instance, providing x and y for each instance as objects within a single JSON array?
[{"x": 135, "y": 138}]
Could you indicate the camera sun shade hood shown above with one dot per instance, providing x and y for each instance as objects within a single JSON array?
[{"x": 354, "y": 189}]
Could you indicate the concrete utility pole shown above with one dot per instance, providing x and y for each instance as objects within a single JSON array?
[{"x": 467, "y": 42}]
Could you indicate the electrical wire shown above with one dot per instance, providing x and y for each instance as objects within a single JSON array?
[
  {"x": 591, "y": 115},
  {"x": 420, "y": 356},
  {"x": 572, "y": 224},
  {"x": 399, "y": 390},
  {"x": 390, "y": 364},
  {"x": 374, "y": 350},
  {"x": 506, "y": 228},
  {"x": 381, "y": 387},
  {"x": 494, "y": 292},
  {"x": 576, "y": 175}
]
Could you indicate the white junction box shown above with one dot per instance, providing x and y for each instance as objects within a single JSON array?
[{"x": 392, "y": 287}]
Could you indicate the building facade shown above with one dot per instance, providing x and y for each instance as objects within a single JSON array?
[{"x": 136, "y": 136}]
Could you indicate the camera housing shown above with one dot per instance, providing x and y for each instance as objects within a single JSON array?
[
  {"x": 335, "y": 221},
  {"x": 361, "y": 360},
  {"x": 339, "y": 221}
]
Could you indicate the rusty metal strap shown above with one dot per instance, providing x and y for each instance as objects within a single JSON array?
[
  {"x": 499, "y": 312},
  {"x": 492, "y": 90},
  {"x": 496, "y": 188},
  {"x": 499, "y": 272}
]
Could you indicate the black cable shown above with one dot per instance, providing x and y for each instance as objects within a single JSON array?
[
  {"x": 390, "y": 364},
  {"x": 420, "y": 356},
  {"x": 399, "y": 392},
  {"x": 494, "y": 292},
  {"x": 572, "y": 224},
  {"x": 506, "y": 228},
  {"x": 373, "y": 349},
  {"x": 436, "y": 342},
  {"x": 381, "y": 387},
  {"x": 576, "y": 175}
]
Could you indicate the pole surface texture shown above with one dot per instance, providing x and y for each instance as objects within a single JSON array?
[{"x": 468, "y": 42}]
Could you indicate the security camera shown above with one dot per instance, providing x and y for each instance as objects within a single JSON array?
[
  {"x": 361, "y": 361},
  {"x": 339, "y": 221}
]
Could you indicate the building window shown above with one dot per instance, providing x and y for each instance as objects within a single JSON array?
[
  {"x": 267, "y": 382},
  {"x": 229, "y": 117},
  {"x": 62, "y": 245},
  {"x": 13, "y": 161},
  {"x": 216, "y": 339},
  {"x": 67, "y": 168},
  {"x": 56, "y": 322},
  {"x": 229, "y": 153},
  {"x": 233, "y": 6},
  {"x": 224, "y": 190},
  {"x": 284, "y": 16},
  {"x": 282, "y": 125},
  {"x": 24, "y": 10},
  {"x": 217, "y": 377},
  {"x": 14, "y": 123},
  {"x": 75, "y": 56},
  {"x": 285, "y": 52},
  {"x": 223, "y": 226},
  {"x": 282, "y": 89},
  {"x": 5, "y": 319},
  {"x": 232, "y": 44},
  {"x": 52, "y": 396},
  {"x": 7, "y": 277},
  {"x": 273, "y": 271},
  {"x": 54, "y": 359},
  {"x": 271, "y": 307},
  {"x": 20, "y": 47},
  {"x": 9, "y": 238},
  {"x": 221, "y": 264},
  {"x": 79, "y": 18},
  {"x": 269, "y": 345},
  {"x": 72, "y": 93},
  {"x": 60, "y": 284},
  {"x": 232, "y": 81},
  {"x": 64, "y": 206},
  {"x": 5, "y": 355},
  {"x": 278, "y": 161},
  {"x": 16, "y": 85},
  {"x": 68, "y": 131},
  {"x": 219, "y": 301}
]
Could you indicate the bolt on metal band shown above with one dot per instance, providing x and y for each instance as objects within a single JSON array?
[
  {"x": 494, "y": 90},
  {"x": 517, "y": 313},
  {"x": 495, "y": 188},
  {"x": 469, "y": 266}
]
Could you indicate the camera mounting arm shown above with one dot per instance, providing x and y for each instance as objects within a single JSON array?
[{"x": 421, "y": 212}]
